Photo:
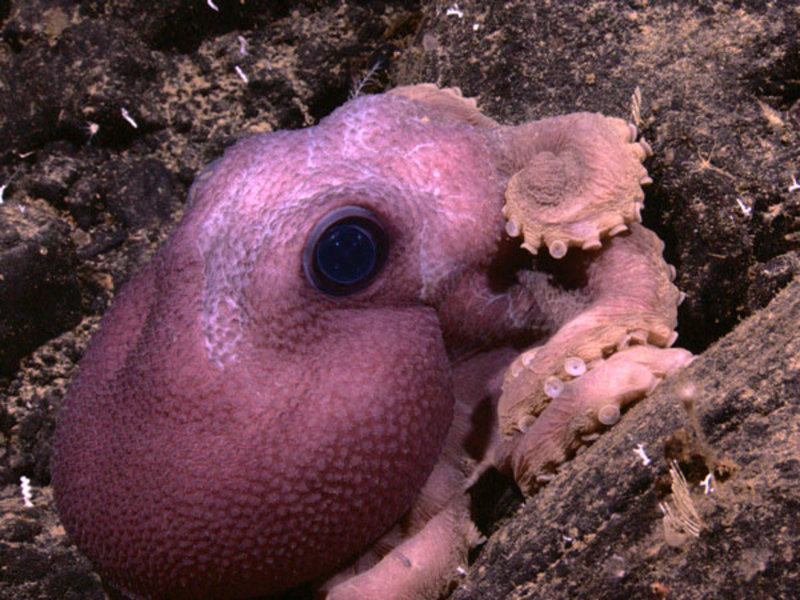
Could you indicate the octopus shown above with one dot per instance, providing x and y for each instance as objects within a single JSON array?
[{"x": 350, "y": 324}]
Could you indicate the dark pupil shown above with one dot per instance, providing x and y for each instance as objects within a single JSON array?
[{"x": 346, "y": 253}]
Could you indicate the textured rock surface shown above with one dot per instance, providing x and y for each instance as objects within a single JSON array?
[
  {"x": 720, "y": 107},
  {"x": 38, "y": 284}
]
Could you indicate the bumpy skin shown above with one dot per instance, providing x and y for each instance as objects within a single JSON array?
[{"x": 234, "y": 431}]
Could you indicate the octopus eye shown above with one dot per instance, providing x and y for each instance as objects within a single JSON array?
[{"x": 346, "y": 250}]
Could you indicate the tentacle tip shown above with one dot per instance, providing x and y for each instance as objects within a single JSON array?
[
  {"x": 648, "y": 151},
  {"x": 637, "y": 208},
  {"x": 592, "y": 244},
  {"x": 553, "y": 386},
  {"x": 609, "y": 415},
  {"x": 530, "y": 248},
  {"x": 527, "y": 359},
  {"x": 616, "y": 229},
  {"x": 575, "y": 366},
  {"x": 687, "y": 392},
  {"x": 557, "y": 249},
  {"x": 673, "y": 337},
  {"x": 513, "y": 228}
]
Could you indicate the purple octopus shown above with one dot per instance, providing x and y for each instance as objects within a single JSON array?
[{"x": 290, "y": 391}]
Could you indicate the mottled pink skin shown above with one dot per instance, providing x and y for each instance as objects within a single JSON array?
[{"x": 233, "y": 431}]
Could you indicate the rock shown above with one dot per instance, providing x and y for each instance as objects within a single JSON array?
[
  {"x": 36, "y": 560},
  {"x": 39, "y": 289}
]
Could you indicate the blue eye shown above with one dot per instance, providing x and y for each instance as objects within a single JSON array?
[{"x": 345, "y": 251}]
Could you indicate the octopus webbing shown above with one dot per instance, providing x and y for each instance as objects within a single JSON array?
[{"x": 350, "y": 322}]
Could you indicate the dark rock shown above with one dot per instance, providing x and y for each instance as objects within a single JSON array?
[
  {"x": 142, "y": 194},
  {"x": 40, "y": 293},
  {"x": 71, "y": 75},
  {"x": 35, "y": 559},
  {"x": 59, "y": 170}
]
